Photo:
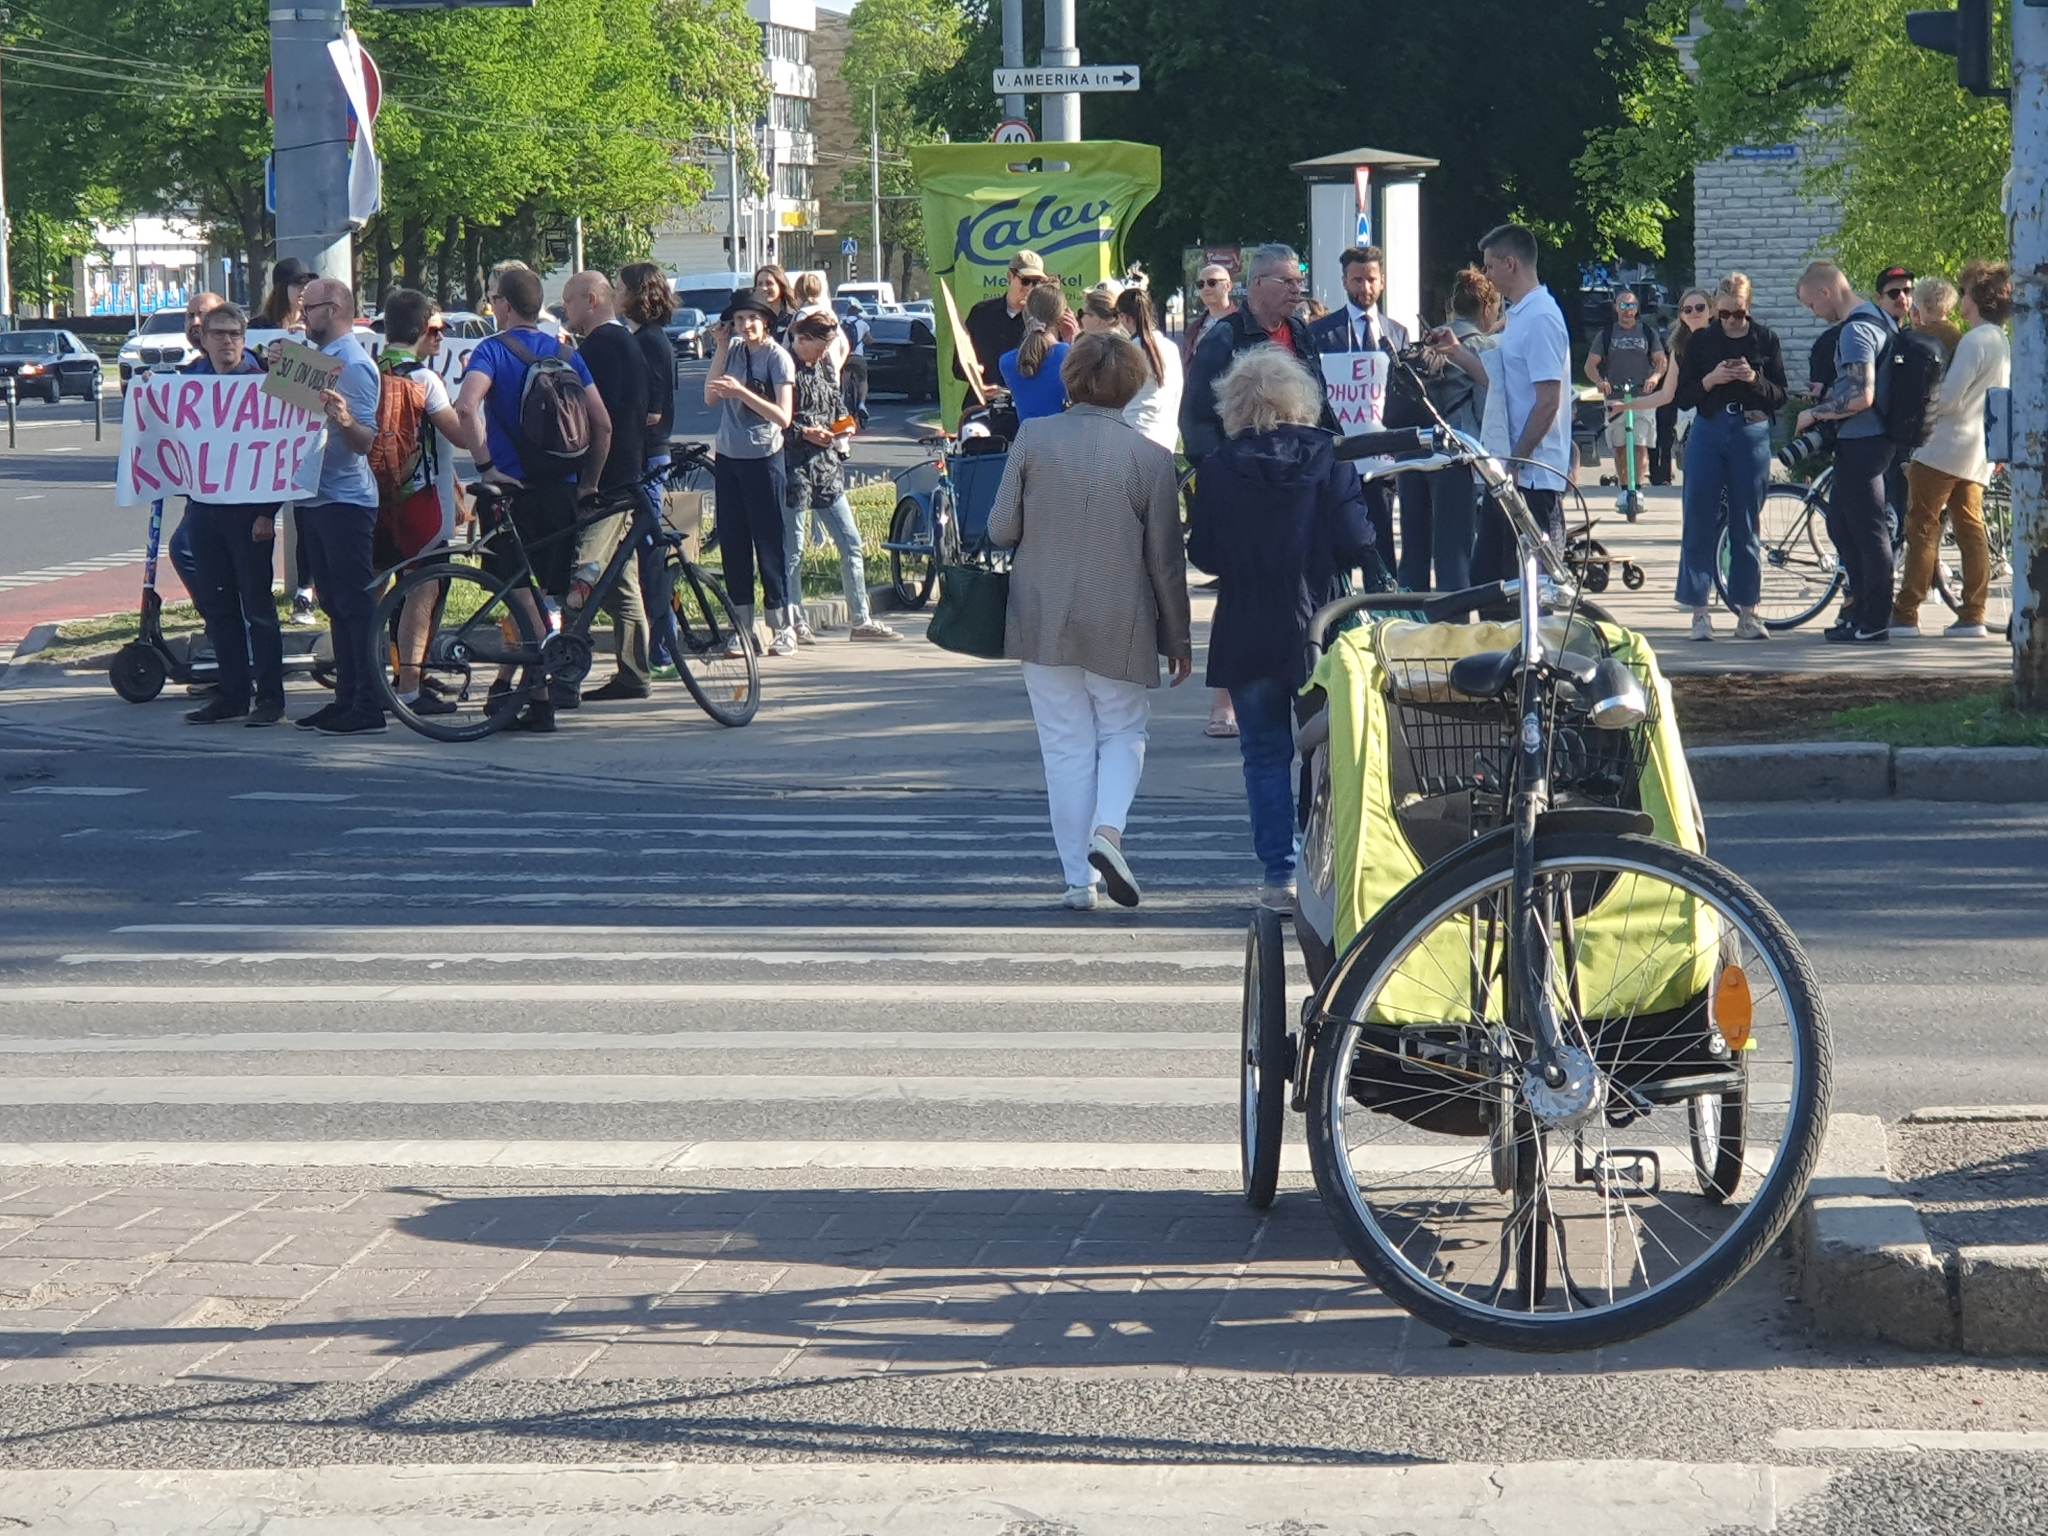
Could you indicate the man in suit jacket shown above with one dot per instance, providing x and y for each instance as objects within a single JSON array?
[
  {"x": 1266, "y": 318},
  {"x": 1360, "y": 327}
]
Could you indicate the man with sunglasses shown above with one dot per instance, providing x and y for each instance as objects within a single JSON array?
[
  {"x": 1213, "y": 287},
  {"x": 1626, "y": 355},
  {"x": 1273, "y": 289},
  {"x": 996, "y": 325}
]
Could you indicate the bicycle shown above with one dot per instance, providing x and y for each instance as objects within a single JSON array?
[
  {"x": 493, "y": 646},
  {"x": 945, "y": 524},
  {"x": 1557, "y": 979}
]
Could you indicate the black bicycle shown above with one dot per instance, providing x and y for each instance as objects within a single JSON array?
[{"x": 493, "y": 643}]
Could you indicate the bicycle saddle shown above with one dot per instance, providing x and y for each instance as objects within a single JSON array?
[{"x": 1490, "y": 674}]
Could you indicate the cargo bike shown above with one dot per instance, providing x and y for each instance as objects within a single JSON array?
[{"x": 1564, "y": 1077}]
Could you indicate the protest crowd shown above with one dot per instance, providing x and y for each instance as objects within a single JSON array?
[{"x": 569, "y": 417}]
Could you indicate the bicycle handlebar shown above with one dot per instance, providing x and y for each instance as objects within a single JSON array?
[{"x": 1387, "y": 445}]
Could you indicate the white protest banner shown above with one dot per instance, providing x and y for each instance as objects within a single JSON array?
[
  {"x": 1356, "y": 383},
  {"x": 217, "y": 437}
]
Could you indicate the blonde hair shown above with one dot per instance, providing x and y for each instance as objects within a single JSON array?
[
  {"x": 1737, "y": 286},
  {"x": 1134, "y": 308},
  {"x": 1042, "y": 311},
  {"x": 810, "y": 288},
  {"x": 1935, "y": 297},
  {"x": 1100, "y": 304},
  {"x": 1102, "y": 369},
  {"x": 1266, "y": 389}
]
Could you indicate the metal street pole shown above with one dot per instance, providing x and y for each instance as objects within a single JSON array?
[
  {"x": 6, "y": 232},
  {"x": 576, "y": 259},
  {"x": 875, "y": 175},
  {"x": 732, "y": 189},
  {"x": 311, "y": 141},
  {"x": 2029, "y": 230},
  {"x": 1013, "y": 51},
  {"x": 1062, "y": 111}
]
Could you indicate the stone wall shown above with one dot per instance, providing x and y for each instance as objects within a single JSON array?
[
  {"x": 841, "y": 140},
  {"x": 1751, "y": 213}
]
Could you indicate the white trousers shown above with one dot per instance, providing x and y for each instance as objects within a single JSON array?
[{"x": 1091, "y": 733}]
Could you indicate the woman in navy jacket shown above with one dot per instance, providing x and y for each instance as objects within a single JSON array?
[{"x": 1280, "y": 522}]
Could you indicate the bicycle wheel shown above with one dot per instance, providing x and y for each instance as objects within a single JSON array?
[
  {"x": 912, "y": 572},
  {"x": 724, "y": 679},
  {"x": 1265, "y": 1061},
  {"x": 1799, "y": 577},
  {"x": 488, "y": 629},
  {"x": 1513, "y": 1214}
]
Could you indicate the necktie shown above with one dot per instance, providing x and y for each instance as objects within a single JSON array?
[{"x": 1365, "y": 339}]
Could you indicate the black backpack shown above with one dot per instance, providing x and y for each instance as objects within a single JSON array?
[
  {"x": 1914, "y": 364},
  {"x": 554, "y": 416}
]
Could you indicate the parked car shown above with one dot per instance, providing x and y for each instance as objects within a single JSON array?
[
  {"x": 903, "y": 357},
  {"x": 922, "y": 308},
  {"x": 708, "y": 292},
  {"x": 462, "y": 325},
  {"x": 51, "y": 364},
  {"x": 689, "y": 332},
  {"x": 160, "y": 343}
]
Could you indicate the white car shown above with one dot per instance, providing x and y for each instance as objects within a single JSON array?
[{"x": 160, "y": 343}]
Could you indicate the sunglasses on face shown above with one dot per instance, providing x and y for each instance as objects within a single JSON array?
[
  {"x": 1898, "y": 293},
  {"x": 1213, "y": 282},
  {"x": 225, "y": 333},
  {"x": 1734, "y": 316},
  {"x": 1692, "y": 309},
  {"x": 436, "y": 328},
  {"x": 1626, "y": 307}
]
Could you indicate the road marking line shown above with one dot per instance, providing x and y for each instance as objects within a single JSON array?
[
  {"x": 911, "y": 816},
  {"x": 1161, "y": 896},
  {"x": 1181, "y": 959},
  {"x": 1034, "y": 837},
  {"x": 38, "y": 496},
  {"x": 1909, "y": 1440},
  {"x": 769, "y": 993},
  {"x": 618, "y": 1088},
  {"x": 557, "y": 1041},
  {"x": 291, "y": 798},
  {"x": 310, "y": 876},
  {"x": 82, "y": 791},
  {"x": 671, "y": 930}
]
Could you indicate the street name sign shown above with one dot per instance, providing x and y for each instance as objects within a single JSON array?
[{"x": 1053, "y": 80}]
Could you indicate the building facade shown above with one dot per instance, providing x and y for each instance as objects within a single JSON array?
[{"x": 779, "y": 224}]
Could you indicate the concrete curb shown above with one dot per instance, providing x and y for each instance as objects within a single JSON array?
[
  {"x": 1868, "y": 1270},
  {"x": 1869, "y": 770},
  {"x": 39, "y": 638}
]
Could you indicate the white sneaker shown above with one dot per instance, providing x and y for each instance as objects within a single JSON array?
[
  {"x": 1703, "y": 626},
  {"x": 302, "y": 608},
  {"x": 803, "y": 634},
  {"x": 1277, "y": 898},
  {"x": 784, "y": 643},
  {"x": 1961, "y": 632},
  {"x": 735, "y": 646},
  {"x": 1117, "y": 879},
  {"x": 873, "y": 630},
  {"x": 1079, "y": 898},
  {"x": 1749, "y": 627},
  {"x": 1906, "y": 631}
]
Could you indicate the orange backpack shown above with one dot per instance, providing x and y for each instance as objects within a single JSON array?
[{"x": 395, "y": 454}]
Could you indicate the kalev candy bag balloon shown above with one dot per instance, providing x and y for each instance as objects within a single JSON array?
[{"x": 983, "y": 203}]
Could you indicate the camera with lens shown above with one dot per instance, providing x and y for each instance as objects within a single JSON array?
[{"x": 1815, "y": 442}]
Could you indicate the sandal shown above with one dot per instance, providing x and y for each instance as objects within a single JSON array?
[{"x": 1220, "y": 728}]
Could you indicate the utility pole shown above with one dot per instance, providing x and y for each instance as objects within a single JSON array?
[
  {"x": 2028, "y": 222},
  {"x": 576, "y": 245},
  {"x": 1062, "y": 121},
  {"x": 6, "y": 228},
  {"x": 875, "y": 175},
  {"x": 732, "y": 189},
  {"x": 311, "y": 138},
  {"x": 1013, "y": 51}
]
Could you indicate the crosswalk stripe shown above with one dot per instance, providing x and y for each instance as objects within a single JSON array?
[
  {"x": 336, "y": 1041},
  {"x": 768, "y": 994},
  {"x": 1150, "y": 935},
  {"x": 613, "y": 1089},
  {"x": 917, "y": 900},
  {"x": 1038, "y": 840},
  {"x": 1183, "y": 959}
]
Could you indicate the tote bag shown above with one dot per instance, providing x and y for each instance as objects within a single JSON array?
[{"x": 974, "y": 605}]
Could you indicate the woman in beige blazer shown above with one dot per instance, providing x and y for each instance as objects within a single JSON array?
[{"x": 1098, "y": 594}]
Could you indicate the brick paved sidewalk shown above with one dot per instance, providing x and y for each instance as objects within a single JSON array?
[{"x": 114, "y": 1283}]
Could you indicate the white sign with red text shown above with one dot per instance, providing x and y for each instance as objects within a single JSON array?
[
  {"x": 1356, "y": 383},
  {"x": 215, "y": 437}
]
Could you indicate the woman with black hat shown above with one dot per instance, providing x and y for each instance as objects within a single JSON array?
[
  {"x": 752, "y": 383},
  {"x": 280, "y": 312}
]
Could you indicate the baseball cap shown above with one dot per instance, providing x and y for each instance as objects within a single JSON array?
[
  {"x": 1892, "y": 275},
  {"x": 1028, "y": 264}
]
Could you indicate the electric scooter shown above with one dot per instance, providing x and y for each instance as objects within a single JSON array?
[
  {"x": 1630, "y": 502},
  {"x": 142, "y": 666}
]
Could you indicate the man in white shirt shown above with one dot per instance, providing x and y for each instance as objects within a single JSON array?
[{"x": 1535, "y": 360}]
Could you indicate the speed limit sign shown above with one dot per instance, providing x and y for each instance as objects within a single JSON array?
[{"x": 1012, "y": 130}]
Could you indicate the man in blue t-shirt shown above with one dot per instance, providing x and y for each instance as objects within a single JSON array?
[
  {"x": 1859, "y": 521},
  {"x": 549, "y": 497}
]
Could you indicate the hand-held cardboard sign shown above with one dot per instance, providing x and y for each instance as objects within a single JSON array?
[
  {"x": 298, "y": 373},
  {"x": 218, "y": 438}
]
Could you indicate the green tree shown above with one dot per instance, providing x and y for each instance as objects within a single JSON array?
[{"x": 895, "y": 46}]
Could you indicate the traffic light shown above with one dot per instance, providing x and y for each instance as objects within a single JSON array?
[{"x": 1964, "y": 32}]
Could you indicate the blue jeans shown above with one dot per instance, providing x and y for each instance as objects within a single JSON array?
[
  {"x": 1724, "y": 456},
  {"x": 1265, "y": 739},
  {"x": 836, "y": 520}
]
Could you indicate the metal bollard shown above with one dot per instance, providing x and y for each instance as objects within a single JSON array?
[
  {"x": 10, "y": 410},
  {"x": 99, "y": 411}
]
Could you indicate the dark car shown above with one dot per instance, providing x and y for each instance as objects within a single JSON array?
[
  {"x": 689, "y": 333},
  {"x": 903, "y": 357},
  {"x": 51, "y": 364}
]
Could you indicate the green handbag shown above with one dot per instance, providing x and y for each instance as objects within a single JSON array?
[{"x": 974, "y": 603}]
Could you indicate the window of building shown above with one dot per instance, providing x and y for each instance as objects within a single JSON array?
[
  {"x": 789, "y": 44},
  {"x": 791, "y": 112},
  {"x": 793, "y": 182}
]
